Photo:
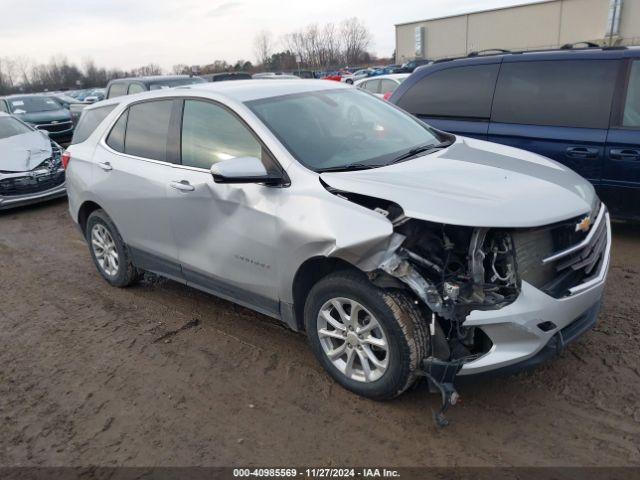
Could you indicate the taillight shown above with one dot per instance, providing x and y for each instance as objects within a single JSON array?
[
  {"x": 66, "y": 157},
  {"x": 387, "y": 95}
]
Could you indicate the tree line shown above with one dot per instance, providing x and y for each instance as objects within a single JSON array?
[{"x": 315, "y": 47}]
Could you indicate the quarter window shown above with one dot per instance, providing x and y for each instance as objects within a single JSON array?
[
  {"x": 117, "y": 135},
  {"x": 573, "y": 93},
  {"x": 632, "y": 103},
  {"x": 148, "y": 128},
  {"x": 89, "y": 121},
  {"x": 464, "y": 92},
  {"x": 211, "y": 134}
]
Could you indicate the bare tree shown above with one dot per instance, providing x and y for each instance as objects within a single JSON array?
[
  {"x": 263, "y": 46},
  {"x": 181, "y": 69},
  {"x": 147, "y": 70},
  {"x": 356, "y": 40}
]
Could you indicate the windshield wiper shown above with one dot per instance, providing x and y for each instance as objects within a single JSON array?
[
  {"x": 417, "y": 150},
  {"x": 349, "y": 167}
]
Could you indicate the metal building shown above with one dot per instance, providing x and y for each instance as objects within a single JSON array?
[{"x": 537, "y": 25}]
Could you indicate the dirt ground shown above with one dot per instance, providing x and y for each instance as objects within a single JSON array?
[{"x": 161, "y": 374}]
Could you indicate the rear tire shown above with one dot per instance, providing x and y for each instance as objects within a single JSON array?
[
  {"x": 398, "y": 345},
  {"x": 109, "y": 252}
]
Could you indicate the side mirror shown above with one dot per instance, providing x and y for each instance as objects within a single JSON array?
[
  {"x": 45, "y": 133},
  {"x": 243, "y": 170}
]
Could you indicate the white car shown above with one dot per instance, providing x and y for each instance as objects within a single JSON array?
[
  {"x": 30, "y": 164},
  {"x": 357, "y": 75},
  {"x": 383, "y": 85}
]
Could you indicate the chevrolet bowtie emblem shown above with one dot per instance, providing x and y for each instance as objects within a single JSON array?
[{"x": 583, "y": 225}]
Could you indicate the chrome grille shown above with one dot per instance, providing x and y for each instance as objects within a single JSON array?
[
  {"x": 559, "y": 259},
  {"x": 55, "y": 127}
]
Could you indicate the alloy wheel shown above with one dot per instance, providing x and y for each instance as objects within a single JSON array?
[
  {"x": 353, "y": 340},
  {"x": 104, "y": 249}
]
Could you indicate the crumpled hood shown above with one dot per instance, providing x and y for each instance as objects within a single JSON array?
[
  {"x": 21, "y": 153},
  {"x": 476, "y": 183}
]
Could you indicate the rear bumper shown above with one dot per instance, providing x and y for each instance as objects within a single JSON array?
[{"x": 28, "y": 199}]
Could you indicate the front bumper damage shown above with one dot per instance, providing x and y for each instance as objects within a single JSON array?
[{"x": 521, "y": 325}]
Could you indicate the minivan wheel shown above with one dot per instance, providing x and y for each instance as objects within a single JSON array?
[
  {"x": 369, "y": 340},
  {"x": 108, "y": 251}
]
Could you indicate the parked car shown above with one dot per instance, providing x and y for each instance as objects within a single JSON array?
[
  {"x": 42, "y": 112},
  {"x": 334, "y": 76},
  {"x": 219, "y": 77},
  {"x": 128, "y": 86},
  {"x": 580, "y": 107},
  {"x": 397, "y": 248},
  {"x": 304, "y": 73},
  {"x": 411, "y": 65},
  {"x": 355, "y": 76},
  {"x": 283, "y": 76},
  {"x": 30, "y": 164},
  {"x": 267, "y": 74},
  {"x": 382, "y": 86},
  {"x": 63, "y": 99},
  {"x": 95, "y": 95}
]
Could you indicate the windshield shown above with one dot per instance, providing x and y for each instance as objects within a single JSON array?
[
  {"x": 175, "y": 83},
  {"x": 335, "y": 128},
  {"x": 10, "y": 127},
  {"x": 33, "y": 104}
]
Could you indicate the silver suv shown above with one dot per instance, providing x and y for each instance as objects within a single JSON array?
[{"x": 400, "y": 250}]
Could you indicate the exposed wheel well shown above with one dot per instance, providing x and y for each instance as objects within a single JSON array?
[
  {"x": 86, "y": 209},
  {"x": 309, "y": 273}
]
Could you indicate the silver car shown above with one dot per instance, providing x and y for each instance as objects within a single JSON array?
[
  {"x": 30, "y": 164},
  {"x": 400, "y": 250}
]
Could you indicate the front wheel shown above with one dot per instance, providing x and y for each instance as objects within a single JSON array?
[{"x": 369, "y": 340}]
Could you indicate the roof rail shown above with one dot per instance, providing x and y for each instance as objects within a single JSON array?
[
  {"x": 489, "y": 51},
  {"x": 500, "y": 51},
  {"x": 570, "y": 46}
]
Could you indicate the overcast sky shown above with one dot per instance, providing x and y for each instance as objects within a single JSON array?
[{"x": 130, "y": 33}]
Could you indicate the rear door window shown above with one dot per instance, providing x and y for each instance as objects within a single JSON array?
[
  {"x": 387, "y": 85},
  {"x": 463, "y": 92},
  {"x": 117, "y": 89},
  {"x": 572, "y": 93},
  {"x": 148, "y": 128},
  {"x": 632, "y": 103},
  {"x": 372, "y": 86},
  {"x": 89, "y": 121}
]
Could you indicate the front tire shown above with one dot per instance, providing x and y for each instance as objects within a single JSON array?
[
  {"x": 370, "y": 340},
  {"x": 109, "y": 252}
]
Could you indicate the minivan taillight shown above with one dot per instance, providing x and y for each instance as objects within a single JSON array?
[{"x": 66, "y": 157}]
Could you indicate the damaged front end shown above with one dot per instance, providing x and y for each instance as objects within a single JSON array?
[{"x": 452, "y": 270}]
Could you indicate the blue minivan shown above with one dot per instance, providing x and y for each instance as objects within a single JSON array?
[{"x": 579, "y": 106}]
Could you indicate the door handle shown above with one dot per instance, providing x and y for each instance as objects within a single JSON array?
[
  {"x": 624, "y": 154},
  {"x": 106, "y": 166},
  {"x": 582, "y": 152},
  {"x": 182, "y": 185}
]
